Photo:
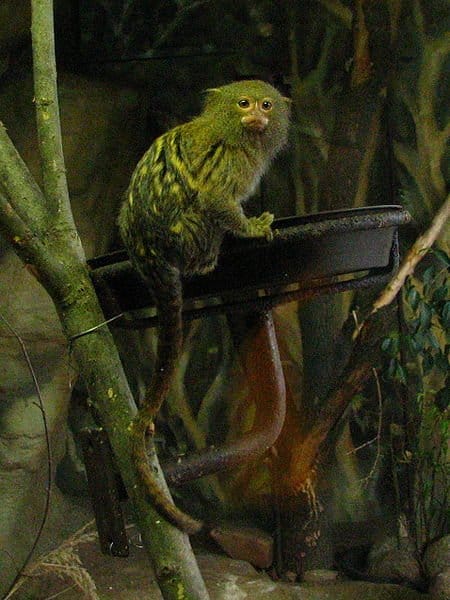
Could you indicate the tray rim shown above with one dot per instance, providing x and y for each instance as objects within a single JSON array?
[{"x": 304, "y": 227}]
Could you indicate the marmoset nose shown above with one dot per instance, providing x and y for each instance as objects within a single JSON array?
[{"x": 255, "y": 121}]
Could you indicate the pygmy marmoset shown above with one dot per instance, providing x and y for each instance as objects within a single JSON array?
[{"x": 185, "y": 195}]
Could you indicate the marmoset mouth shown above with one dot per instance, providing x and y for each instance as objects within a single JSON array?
[{"x": 256, "y": 122}]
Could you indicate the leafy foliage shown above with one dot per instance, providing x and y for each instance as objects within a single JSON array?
[{"x": 417, "y": 372}]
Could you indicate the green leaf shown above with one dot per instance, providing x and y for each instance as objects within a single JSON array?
[
  {"x": 414, "y": 325},
  {"x": 440, "y": 294},
  {"x": 441, "y": 362},
  {"x": 358, "y": 401},
  {"x": 432, "y": 340},
  {"x": 390, "y": 345},
  {"x": 445, "y": 316},
  {"x": 429, "y": 274},
  {"x": 392, "y": 367},
  {"x": 442, "y": 398},
  {"x": 427, "y": 361},
  {"x": 413, "y": 298},
  {"x": 400, "y": 374},
  {"x": 386, "y": 344},
  {"x": 419, "y": 341},
  {"x": 442, "y": 256},
  {"x": 411, "y": 344},
  {"x": 425, "y": 315}
]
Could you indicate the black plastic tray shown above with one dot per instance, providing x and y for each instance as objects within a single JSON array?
[{"x": 305, "y": 251}]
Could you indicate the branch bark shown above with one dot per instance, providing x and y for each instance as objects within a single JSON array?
[
  {"x": 47, "y": 110},
  {"x": 414, "y": 256},
  {"x": 55, "y": 256},
  {"x": 19, "y": 184}
]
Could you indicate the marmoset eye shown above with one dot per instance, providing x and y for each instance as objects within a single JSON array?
[
  {"x": 244, "y": 103},
  {"x": 266, "y": 105}
]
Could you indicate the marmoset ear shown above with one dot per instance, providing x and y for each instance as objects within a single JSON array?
[
  {"x": 287, "y": 100},
  {"x": 210, "y": 96},
  {"x": 211, "y": 93}
]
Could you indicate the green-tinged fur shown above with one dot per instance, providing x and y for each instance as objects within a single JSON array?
[{"x": 185, "y": 194}]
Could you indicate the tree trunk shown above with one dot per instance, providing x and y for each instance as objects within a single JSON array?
[{"x": 39, "y": 226}]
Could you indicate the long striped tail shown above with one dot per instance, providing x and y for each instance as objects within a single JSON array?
[{"x": 165, "y": 283}]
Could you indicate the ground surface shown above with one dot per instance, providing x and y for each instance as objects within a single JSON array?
[{"x": 131, "y": 579}]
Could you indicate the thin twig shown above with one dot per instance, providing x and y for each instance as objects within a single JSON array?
[
  {"x": 49, "y": 456},
  {"x": 95, "y": 328},
  {"x": 361, "y": 446},
  {"x": 379, "y": 426},
  {"x": 61, "y": 592},
  {"x": 182, "y": 13},
  {"x": 415, "y": 254}
]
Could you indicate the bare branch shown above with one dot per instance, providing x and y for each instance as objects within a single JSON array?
[
  {"x": 31, "y": 248},
  {"x": 416, "y": 168},
  {"x": 182, "y": 13},
  {"x": 19, "y": 184},
  {"x": 338, "y": 10},
  {"x": 47, "y": 109},
  {"x": 414, "y": 256},
  {"x": 362, "y": 189},
  {"x": 366, "y": 341},
  {"x": 23, "y": 240},
  {"x": 435, "y": 53},
  {"x": 419, "y": 20},
  {"x": 395, "y": 11},
  {"x": 11, "y": 225},
  {"x": 431, "y": 141},
  {"x": 362, "y": 64},
  {"x": 371, "y": 473}
]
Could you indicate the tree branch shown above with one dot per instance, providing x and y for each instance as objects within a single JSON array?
[
  {"x": 58, "y": 261},
  {"x": 183, "y": 11},
  {"x": 419, "y": 21},
  {"x": 340, "y": 11},
  {"x": 362, "y": 65},
  {"x": 414, "y": 256},
  {"x": 47, "y": 110},
  {"x": 22, "y": 238},
  {"x": 11, "y": 225},
  {"x": 435, "y": 53},
  {"x": 395, "y": 11},
  {"x": 19, "y": 184}
]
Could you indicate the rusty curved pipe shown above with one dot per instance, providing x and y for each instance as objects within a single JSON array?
[{"x": 262, "y": 363}]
